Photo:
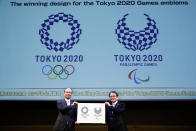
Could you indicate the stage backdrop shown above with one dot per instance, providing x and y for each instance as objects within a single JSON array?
[{"x": 145, "y": 50}]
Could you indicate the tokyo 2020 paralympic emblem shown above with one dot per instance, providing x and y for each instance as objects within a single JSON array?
[
  {"x": 69, "y": 42},
  {"x": 141, "y": 40}
]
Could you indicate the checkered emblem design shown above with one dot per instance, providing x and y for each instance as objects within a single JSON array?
[
  {"x": 141, "y": 40},
  {"x": 69, "y": 42}
]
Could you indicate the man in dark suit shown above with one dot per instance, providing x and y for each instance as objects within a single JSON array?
[
  {"x": 114, "y": 111},
  {"x": 67, "y": 113}
]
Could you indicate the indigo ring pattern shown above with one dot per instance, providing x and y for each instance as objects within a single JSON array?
[
  {"x": 141, "y": 40},
  {"x": 84, "y": 110},
  {"x": 69, "y": 42}
]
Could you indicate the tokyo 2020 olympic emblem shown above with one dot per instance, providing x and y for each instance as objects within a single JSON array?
[
  {"x": 84, "y": 111},
  {"x": 69, "y": 42},
  {"x": 141, "y": 40}
]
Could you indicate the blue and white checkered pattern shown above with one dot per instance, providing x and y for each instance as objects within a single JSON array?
[
  {"x": 137, "y": 40},
  {"x": 60, "y": 46}
]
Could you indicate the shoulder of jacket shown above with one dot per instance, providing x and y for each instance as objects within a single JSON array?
[{"x": 61, "y": 100}]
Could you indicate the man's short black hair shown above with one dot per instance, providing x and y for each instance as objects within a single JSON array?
[{"x": 113, "y": 92}]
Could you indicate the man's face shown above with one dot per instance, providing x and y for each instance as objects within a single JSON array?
[
  {"x": 68, "y": 93},
  {"x": 113, "y": 97}
]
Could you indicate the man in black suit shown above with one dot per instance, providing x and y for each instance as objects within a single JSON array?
[
  {"x": 114, "y": 111},
  {"x": 67, "y": 113}
]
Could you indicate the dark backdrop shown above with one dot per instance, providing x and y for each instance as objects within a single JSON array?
[{"x": 137, "y": 112}]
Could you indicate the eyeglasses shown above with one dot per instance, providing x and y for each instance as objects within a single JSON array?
[{"x": 112, "y": 96}]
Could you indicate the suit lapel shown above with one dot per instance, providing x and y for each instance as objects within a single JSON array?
[
  {"x": 71, "y": 101},
  {"x": 117, "y": 104},
  {"x": 64, "y": 103}
]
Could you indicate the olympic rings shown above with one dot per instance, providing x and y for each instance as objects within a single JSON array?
[
  {"x": 57, "y": 71},
  {"x": 72, "y": 70}
]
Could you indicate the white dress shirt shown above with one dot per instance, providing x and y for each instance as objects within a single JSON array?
[
  {"x": 114, "y": 104},
  {"x": 68, "y": 101}
]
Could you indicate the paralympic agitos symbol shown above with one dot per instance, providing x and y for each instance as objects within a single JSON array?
[
  {"x": 141, "y": 40},
  {"x": 132, "y": 76}
]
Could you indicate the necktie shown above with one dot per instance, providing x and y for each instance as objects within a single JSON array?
[{"x": 68, "y": 102}]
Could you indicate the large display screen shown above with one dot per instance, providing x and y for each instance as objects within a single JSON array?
[{"x": 143, "y": 49}]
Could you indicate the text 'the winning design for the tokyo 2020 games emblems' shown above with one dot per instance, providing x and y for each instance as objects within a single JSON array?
[
  {"x": 141, "y": 40},
  {"x": 62, "y": 45}
]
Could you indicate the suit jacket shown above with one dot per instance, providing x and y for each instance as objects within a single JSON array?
[
  {"x": 66, "y": 117},
  {"x": 114, "y": 117}
]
